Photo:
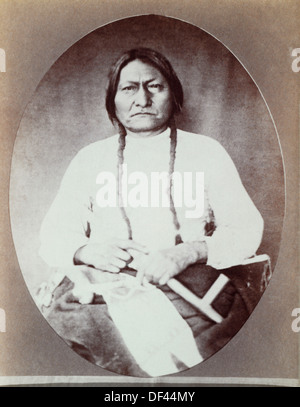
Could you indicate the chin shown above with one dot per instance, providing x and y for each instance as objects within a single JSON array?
[{"x": 145, "y": 127}]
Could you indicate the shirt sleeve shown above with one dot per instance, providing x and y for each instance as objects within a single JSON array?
[
  {"x": 65, "y": 226},
  {"x": 239, "y": 225}
]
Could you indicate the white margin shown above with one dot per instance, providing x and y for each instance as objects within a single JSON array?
[{"x": 132, "y": 381}]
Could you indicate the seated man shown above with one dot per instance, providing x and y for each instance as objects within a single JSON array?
[{"x": 106, "y": 225}]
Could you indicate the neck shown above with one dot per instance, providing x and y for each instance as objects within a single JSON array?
[{"x": 146, "y": 133}]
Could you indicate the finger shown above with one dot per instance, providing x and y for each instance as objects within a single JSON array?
[
  {"x": 137, "y": 258},
  {"x": 146, "y": 282},
  {"x": 140, "y": 276},
  {"x": 133, "y": 265},
  {"x": 121, "y": 254},
  {"x": 164, "y": 279},
  {"x": 111, "y": 268},
  {"x": 117, "y": 262},
  {"x": 153, "y": 271},
  {"x": 142, "y": 267},
  {"x": 109, "y": 263},
  {"x": 137, "y": 255},
  {"x": 131, "y": 244}
]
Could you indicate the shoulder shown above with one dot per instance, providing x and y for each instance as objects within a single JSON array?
[
  {"x": 92, "y": 157},
  {"x": 199, "y": 143},
  {"x": 97, "y": 151},
  {"x": 100, "y": 145},
  {"x": 206, "y": 153}
]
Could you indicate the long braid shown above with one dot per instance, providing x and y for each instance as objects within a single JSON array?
[
  {"x": 173, "y": 145},
  {"x": 121, "y": 148},
  {"x": 122, "y": 144}
]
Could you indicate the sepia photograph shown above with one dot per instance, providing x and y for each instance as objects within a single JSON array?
[
  {"x": 148, "y": 197},
  {"x": 159, "y": 248}
]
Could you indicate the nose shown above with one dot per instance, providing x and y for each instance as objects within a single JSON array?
[{"x": 142, "y": 97}]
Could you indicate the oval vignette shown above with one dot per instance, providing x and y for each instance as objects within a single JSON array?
[{"x": 67, "y": 112}]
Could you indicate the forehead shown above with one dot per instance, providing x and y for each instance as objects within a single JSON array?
[{"x": 138, "y": 70}]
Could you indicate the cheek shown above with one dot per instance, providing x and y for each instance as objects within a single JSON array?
[
  {"x": 121, "y": 105},
  {"x": 166, "y": 106}
]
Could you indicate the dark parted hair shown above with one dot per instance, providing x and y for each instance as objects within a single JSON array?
[
  {"x": 153, "y": 58},
  {"x": 159, "y": 62}
]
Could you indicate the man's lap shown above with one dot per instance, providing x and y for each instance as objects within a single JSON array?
[{"x": 90, "y": 331}]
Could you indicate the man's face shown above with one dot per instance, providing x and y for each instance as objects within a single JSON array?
[{"x": 143, "y": 99}]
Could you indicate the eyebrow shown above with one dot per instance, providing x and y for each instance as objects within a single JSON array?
[{"x": 137, "y": 82}]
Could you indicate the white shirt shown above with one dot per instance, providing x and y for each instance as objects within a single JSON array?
[{"x": 75, "y": 217}]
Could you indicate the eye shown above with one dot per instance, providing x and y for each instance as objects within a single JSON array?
[
  {"x": 129, "y": 89},
  {"x": 155, "y": 87}
]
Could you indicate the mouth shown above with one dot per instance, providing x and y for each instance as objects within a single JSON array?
[{"x": 142, "y": 114}]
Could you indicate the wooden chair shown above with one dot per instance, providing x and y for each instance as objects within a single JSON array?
[{"x": 253, "y": 276}]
